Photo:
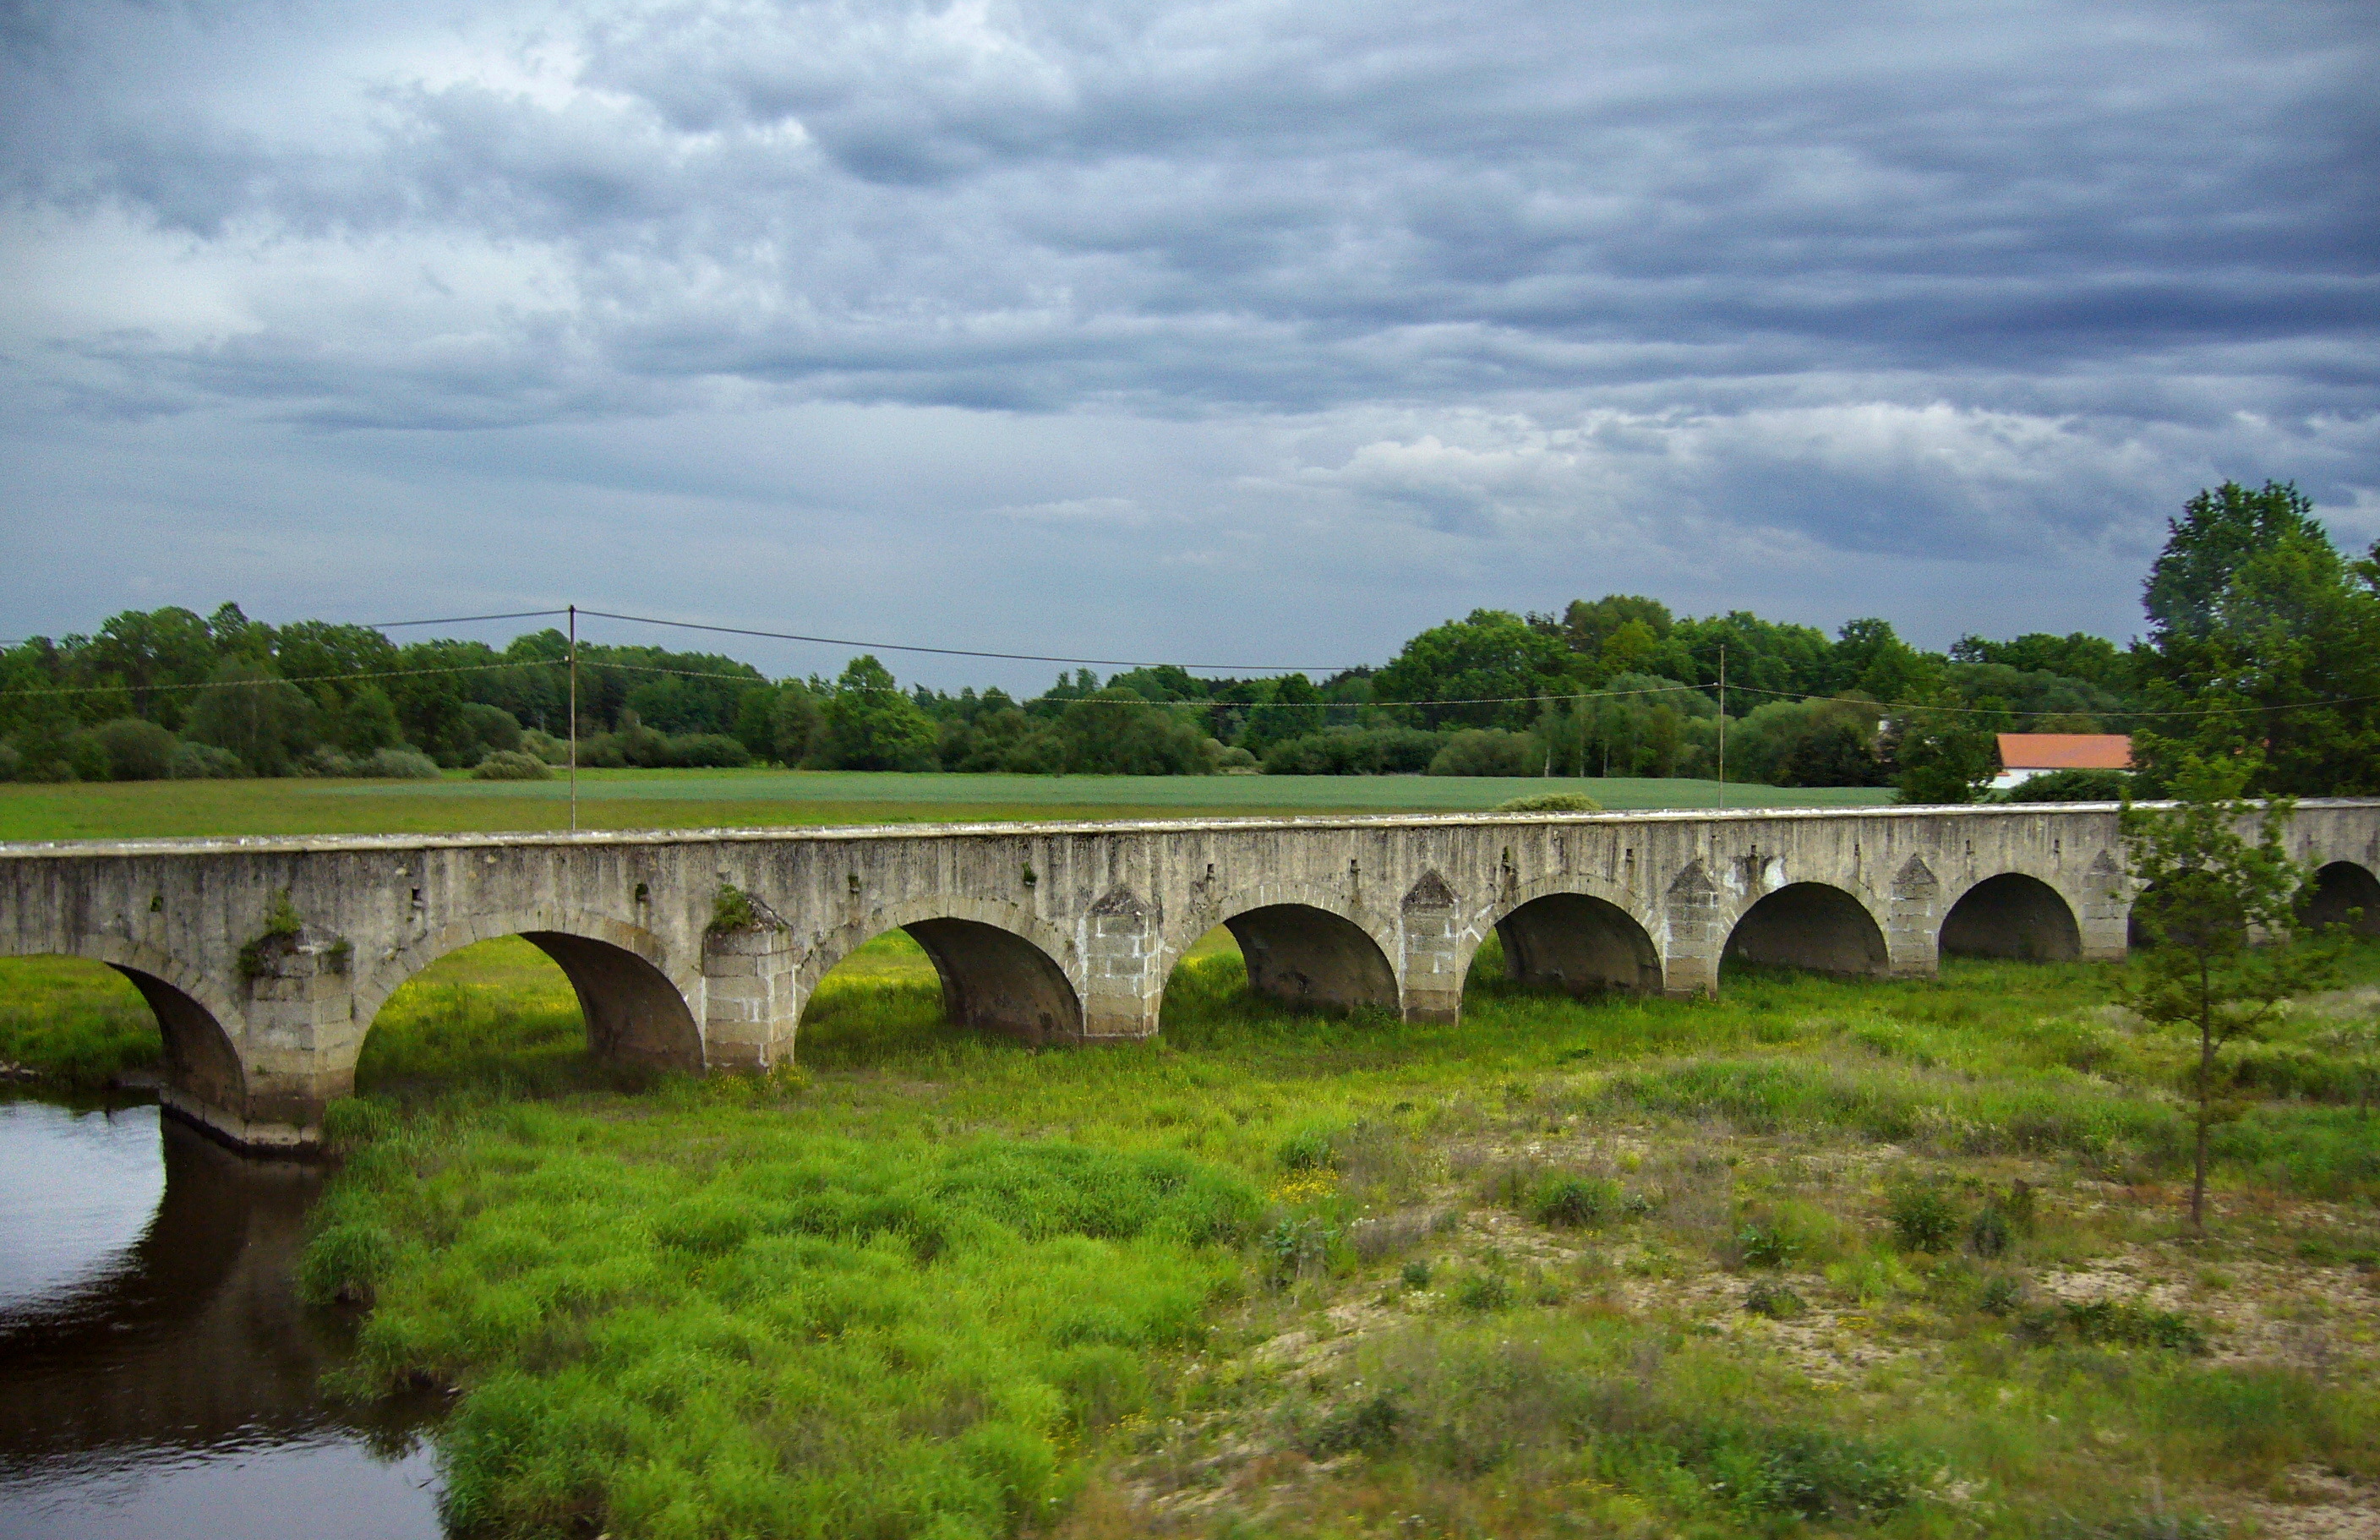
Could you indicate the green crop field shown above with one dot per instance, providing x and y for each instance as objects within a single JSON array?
[
  {"x": 1823, "y": 1258},
  {"x": 716, "y": 799}
]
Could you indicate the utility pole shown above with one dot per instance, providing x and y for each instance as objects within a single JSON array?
[
  {"x": 574, "y": 719},
  {"x": 1722, "y": 726}
]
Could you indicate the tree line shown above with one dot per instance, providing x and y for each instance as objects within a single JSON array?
[{"x": 2262, "y": 642}]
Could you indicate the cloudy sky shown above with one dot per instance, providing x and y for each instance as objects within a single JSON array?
[{"x": 1250, "y": 332}]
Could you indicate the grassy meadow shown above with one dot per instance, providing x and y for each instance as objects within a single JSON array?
[
  {"x": 754, "y": 798},
  {"x": 1823, "y": 1258}
]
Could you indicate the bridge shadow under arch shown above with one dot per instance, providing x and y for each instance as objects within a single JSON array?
[
  {"x": 197, "y": 1058},
  {"x": 934, "y": 975},
  {"x": 2011, "y": 915},
  {"x": 1812, "y": 925},
  {"x": 632, "y": 1014},
  {"x": 1311, "y": 958},
  {"x": 1579, "y": 945},
  {"x": 2344, "y": 893}
]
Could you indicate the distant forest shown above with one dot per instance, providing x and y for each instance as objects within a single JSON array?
[{"x": 2263, "y": 640}]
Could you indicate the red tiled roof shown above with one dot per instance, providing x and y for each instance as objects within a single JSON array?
[{"x": 2066, "y": 751}]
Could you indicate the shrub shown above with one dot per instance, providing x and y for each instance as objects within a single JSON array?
[
  {"x": 1551, "y": 802},
  {"x": 2116, "y": 1323},
  {"x": 325, "y": 760},
  {"x": 512, "y": 764},
  {"x": 1817, "y": 1476},
  {"x": 1773, "y": 1299},
  {"x": 1295, "y": 1248},
  {"x": 1349, "y": 751},
  {"x": 205, "y": 762},
  {"x": 1872, "y": 1277},
  {"x": 1487, "y": 751},
  {"x": 1308, "y": 1149},
  {"x": 2073, "y": 785},
  {"x": 490, "y": 729},
  {"x": 1369, "y": 1427},
  {"x": 546, "y": 746},
  {"x": 706, "y": 751},
  {"x": 10, "y": 761},
  {"x": 1574, "y": 1201},
  {"x": 129, "y": 750},
  {"x": 1989, "y": 1235},
  {"x": 1483, "y": 1291},
  {"x": 397, "y": 764},
  {"x": 1924, "y": 1218},
  {"x": 1766, "y": 1245},
  {"x": 2001, "y": 1295},
  {"x": 734, "y": 909},
  {"x": 1415, "y": 1273}
]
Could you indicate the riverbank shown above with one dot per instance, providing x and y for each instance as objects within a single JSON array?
[
  {"x": 1893, "y": 1258},
  {"x": 1899, "y": 1257}
]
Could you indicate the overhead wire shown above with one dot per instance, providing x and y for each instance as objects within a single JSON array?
[{"x": 977, "y": 652}]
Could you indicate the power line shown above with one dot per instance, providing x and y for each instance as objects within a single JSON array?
[
  {"x": 974, "y": 652},
  {"x": 463, "y": 620}
]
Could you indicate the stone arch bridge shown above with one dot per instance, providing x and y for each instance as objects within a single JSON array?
[{"x": 266, "y": 960}]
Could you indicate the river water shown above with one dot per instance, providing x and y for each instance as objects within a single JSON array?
[{"x": 157, "y": 1370}]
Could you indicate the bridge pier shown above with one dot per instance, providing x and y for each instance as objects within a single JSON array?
[{"x": 751, "y": 1005}]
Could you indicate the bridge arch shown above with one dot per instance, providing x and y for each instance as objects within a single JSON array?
[
  {"x": 202, "y": 1061},
  {"x": 631, "y": 1000},
  {"x": 2340, "y": 888},
  {"x": 1567, "y": 936},
  {"x": 2011, "y": 914},
  {"x": 1303, "y": 944},
  {"x": 1814, "y": 926},
  {"x": 1000, "y": 965}
]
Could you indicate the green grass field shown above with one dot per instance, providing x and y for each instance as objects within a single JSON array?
[
  {"x": 712, "y": 799},
  {"x": 1825, "y": 1257}
]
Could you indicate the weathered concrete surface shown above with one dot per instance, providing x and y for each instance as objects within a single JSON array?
[{"x": 1052, "y": 932}]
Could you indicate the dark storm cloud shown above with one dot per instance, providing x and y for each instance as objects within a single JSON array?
[{"x": 1949, "y": 282}]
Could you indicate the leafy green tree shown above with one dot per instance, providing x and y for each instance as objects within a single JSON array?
[
  {"x": 37, "y": 720},
  {"x": 872, "y": 723},
  {"x": 2214, "y": 878},
  {"x": 1493, "y": 661},
  {"x": 1117, "y": 732},
  {"x": 1764, "y": 658},
  {"x": 1870, "y": 657},
  {"x": 151, "y": 648},
  {"x": 367, "y": 722},
  {"x": 2260, "y": 627},
  {"x": 2078, "y": 655},
  {"x": 795, "y": 725},
  {"x": 1293, "y": 710},
  {"x": 1834, "y": 752},
  {"x": 251, "y": 712},
  {"x": 1942, "y": 756},
  {"x": 756, "y": 726}
]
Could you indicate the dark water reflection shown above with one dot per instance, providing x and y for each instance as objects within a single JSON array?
[{"x": 157, "y": 1371}]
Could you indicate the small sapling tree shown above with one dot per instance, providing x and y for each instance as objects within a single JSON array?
[{"x": 2218, "y": 909}]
